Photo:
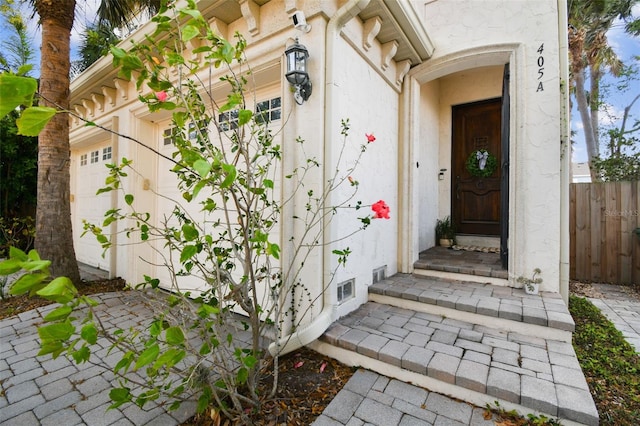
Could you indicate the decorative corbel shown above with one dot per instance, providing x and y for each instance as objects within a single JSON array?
[
  {"x": 98, "y": 101},
  {"x": 251, "y": 13},
  {"x": 290, "y": 6},
  {"x": 109, "y": 94},
  {"x": 194, "y": 43},
  {"x": 402, "y": 70},
  {"x": 219, "y": 27},
  {"x": 88, "y": 106},
  {"x": 122, "y": 87},
  {"x": 134, "y": 77},
  {"x": 370, "y": 31},
  {"x": 80, "y": 111},
  {"x": 389, "y": 50}
]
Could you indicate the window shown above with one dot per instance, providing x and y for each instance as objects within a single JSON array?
[
  {"x": 345, "y": 291},
  {"x": 83, "y": 160},
  {"x": 106, "y": 153},
  {"x": 170, "y": 133},
  {"x": 228, "y": 120},
  {"x": 95, "y": 156},
  {"x": 379, "y": 274},
  {"x": 268, "y": 111},
  {"x": 168, "y": 136},
  {"x": 193, "y": 131}
]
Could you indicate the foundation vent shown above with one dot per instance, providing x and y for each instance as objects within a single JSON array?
[
  {"x": 345, "y": 290},
  {"x": 379, "y": 274}
]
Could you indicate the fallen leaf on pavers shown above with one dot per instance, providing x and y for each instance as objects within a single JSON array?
[
  {"x": 488, "y": 415},
  {"x": 506, "y": 423}
]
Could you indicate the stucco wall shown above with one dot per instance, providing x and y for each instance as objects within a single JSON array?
[
  {"x": 371, "y": 106},
  {"x": 429, "y": 164}
]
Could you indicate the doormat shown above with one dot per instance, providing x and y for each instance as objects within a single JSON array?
[{"x": 477, "y": 248}]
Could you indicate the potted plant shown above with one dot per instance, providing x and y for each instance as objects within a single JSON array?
[
  {"x": 532, "y": 284},
  {"x": 445, "y": 232}
]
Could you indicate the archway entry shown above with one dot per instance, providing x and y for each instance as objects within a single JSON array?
[{"x": 478, "y": 76}]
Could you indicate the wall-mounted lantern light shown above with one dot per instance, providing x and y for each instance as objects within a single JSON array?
[{"x": 297, "y": 74}]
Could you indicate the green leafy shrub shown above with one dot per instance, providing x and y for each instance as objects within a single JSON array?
[
  {"x": 16, "y": 232},
  {"x": 610, "y": 364}
]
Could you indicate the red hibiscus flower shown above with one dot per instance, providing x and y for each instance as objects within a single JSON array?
[
  {"x": 162, "y": 96},
  {"x": 370, "y": 137},
  {"x": 381, "y": 210}
]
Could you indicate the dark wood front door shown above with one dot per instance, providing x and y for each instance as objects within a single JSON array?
[{"x": 475, "y": 200}]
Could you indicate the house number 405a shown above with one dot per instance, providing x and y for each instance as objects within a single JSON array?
[{"x": 540, "y": 68}]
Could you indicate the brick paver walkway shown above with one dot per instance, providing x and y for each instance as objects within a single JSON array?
[
  {"x": 622, "y": 308},
  {"x": 44, "y": 391},
  {"x": 370, "y": 398}
]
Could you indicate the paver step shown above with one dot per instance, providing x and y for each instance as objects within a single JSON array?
[
  {"x": 468, "y": 361},
  {"x": 451, "y": 261},
  {"x": 506, "y": 303}
]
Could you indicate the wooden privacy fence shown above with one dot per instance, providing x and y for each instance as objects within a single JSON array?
[{"x": 603, "y": 220}]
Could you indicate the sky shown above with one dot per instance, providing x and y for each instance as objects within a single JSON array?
[{"x": 625, "y": 46}]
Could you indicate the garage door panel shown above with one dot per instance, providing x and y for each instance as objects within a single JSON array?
[
  {"x": 168, "y": 187},
  {"x": 90, "y": 175}
]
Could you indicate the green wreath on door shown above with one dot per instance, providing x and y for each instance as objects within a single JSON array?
[{"x": 481, "y": 163}]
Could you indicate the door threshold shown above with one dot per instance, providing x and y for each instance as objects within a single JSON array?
[{"x": 490, "y": 241}]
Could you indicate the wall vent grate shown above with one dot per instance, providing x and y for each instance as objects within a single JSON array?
[{"x": 345, "y": 290}]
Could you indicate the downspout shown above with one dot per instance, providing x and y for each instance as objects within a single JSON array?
[
  {"x": 113, "y": 230},
  {"x": 327, "y": 316},
  {"x": 565, "y": 149}
]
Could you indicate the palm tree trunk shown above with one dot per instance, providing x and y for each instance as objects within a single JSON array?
[
  {"x": 594, "y": 94},
  {"x": 54, "y": 239},
  {"x": 584, "y": 110}
]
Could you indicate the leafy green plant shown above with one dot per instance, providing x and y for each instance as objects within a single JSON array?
[
  {"x": 17, "y": 91},
  {"x": 610, "y": 364},
  {"x": 16, "y": 232},
  {"x": 18, "y": 153},
  {"x": 223, "y": 234},
  {"x": 37, "y": 279},
  {"x": 445, "y": 228},
  {"x": 514, "y": 418},
  {"x": 531, "y": 283},
  {"x": 18, "y": 170}
]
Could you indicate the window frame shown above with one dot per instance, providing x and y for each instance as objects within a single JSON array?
[
  {"x": 107, "y": 153},
  {"x": 273, "y": 110},
  {"x": 95, "y": 156}
]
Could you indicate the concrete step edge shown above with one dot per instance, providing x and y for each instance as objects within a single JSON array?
[
  {"x": 569, "y": 417},
  {"x": 474, "y": 318},
  {"x": 556, "y": 318}
]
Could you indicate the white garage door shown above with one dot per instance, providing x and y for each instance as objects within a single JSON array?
[
  {"x": 270, "y": 107},
  {"x": 90, "y": 174}
]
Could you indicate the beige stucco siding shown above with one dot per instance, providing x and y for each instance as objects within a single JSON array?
[{"x": 371, "y": 105}]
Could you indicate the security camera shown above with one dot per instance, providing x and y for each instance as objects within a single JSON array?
[
  {"x": 300, "y": 22},
  {"x": 298, "y": 19}
]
